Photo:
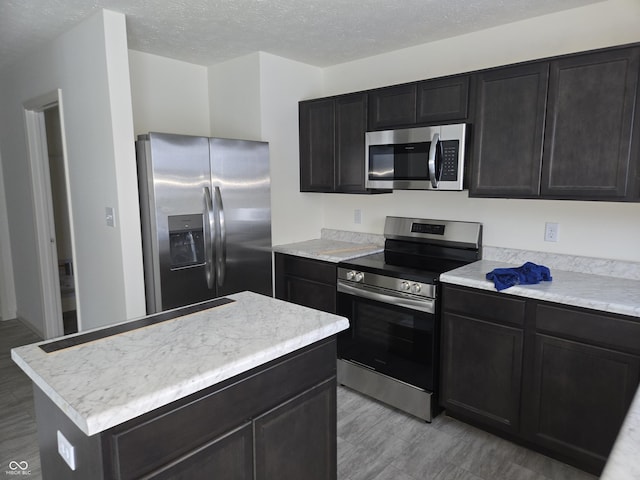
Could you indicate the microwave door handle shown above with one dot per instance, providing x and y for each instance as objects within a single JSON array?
[{"x": 432, "y": 160}]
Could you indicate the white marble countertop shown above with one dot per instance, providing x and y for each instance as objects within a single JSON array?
[
  {"x": 599, "y": 292},
  {"x": 106, "y": 382},
  {"x": 329, "y": 250}
]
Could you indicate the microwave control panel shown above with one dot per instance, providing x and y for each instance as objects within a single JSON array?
[{"x": 450, "y": 160}]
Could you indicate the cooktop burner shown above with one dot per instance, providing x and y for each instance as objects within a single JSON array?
[
  {"x": 420, "y": 250},
  {"x": 375, "y": 263}
]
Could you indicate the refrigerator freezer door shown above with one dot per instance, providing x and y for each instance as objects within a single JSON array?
[
  {"x": 173, "y": 172},
  {"x": 240, "y": 169}
]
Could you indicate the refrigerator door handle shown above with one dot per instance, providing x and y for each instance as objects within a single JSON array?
[
  {"x": 221, "y": 240},
  {"x": 209, "y": 232}
]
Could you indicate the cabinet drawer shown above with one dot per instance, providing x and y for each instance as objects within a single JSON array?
[
  {"x": 491, "y": 307},
  {"x": 309, "y": 269},
  {"x": 593, "y": 327},
  {"x": 144, "y": 444}
]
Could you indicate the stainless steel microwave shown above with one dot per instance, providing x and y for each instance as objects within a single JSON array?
[{"x": 421, "y": 158}]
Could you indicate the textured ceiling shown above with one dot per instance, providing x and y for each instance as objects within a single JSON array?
[{"x": 317, "y": 32}]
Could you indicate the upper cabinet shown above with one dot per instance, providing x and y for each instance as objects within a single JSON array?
[
  {"x": 559, "y": 129},
  {"x": 508, "y": 131},
  {"x": 589, "y": 127},
  {"x": 332, "y": 144},
  {"x": 443, "y": 100},
  {"x": 428, "y": 102},
  {"x": 392, "y": 107}
]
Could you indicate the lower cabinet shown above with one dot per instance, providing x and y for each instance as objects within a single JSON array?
[
  {"x": 306, "y": 281},
  {"x": 485, "y": 359},
  {"x": 561, "y": 382},
  {"x": 230, "y": 456},
  {"x": 482, "y": 345},
  {"x": 295, "y": 441}
]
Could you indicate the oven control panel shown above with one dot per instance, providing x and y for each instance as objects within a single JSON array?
[{"x": 397, "y": 285}]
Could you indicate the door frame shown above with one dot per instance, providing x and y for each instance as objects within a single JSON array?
[{"x": 44, "y": 221}]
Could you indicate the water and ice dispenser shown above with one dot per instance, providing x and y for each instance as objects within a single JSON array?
[{"x": 186, "y": 240}]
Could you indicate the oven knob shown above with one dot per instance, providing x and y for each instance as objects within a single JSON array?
[
  {"x": 350, "y": 274},
  {"x": 416, "y": 287},
  {"x": 359, "y": 276},
  {"x": 405, "y": 286}
]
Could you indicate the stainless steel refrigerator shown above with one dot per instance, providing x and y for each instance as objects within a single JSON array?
[{"x": 206, "y": 218}]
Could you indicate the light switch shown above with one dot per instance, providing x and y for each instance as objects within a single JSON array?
[{"x": 110, "y": 216}]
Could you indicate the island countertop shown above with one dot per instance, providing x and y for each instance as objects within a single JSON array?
[{"x": 107, "y": 381}]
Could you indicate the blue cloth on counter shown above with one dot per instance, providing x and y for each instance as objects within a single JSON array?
[{"x": 527, "y": 274}]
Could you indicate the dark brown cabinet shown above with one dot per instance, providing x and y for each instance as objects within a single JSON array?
[
  {"x": 589, "y": 125},
  {"x": 585, "y": 371},
  {"x": 508, "y": 131},
  {"x": 482, "y": 345},
  {"x": 392, "y": 107},
  {"x": 558, "y": 378},
  {"x": 306, "y": 281},
  {"x": 317, "y": 144},
  {"x": 443, "y": 100},
  {"x": 332, "y": 134},
  {"x": 230, "y": 456},
  {"x": 566, "y": 128},
  {"x": 295, "y": 441},
  {"x": 274, "y": 421}
]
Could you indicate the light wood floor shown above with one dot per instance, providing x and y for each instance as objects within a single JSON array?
[{"x": 375, "y": 442}]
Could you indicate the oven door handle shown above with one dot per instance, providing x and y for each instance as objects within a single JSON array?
[{"x": 372, "y": 293}]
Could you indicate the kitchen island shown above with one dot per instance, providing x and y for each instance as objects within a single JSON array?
[{"x": 245, "y": 387}]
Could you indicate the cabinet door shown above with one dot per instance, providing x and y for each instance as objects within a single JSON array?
[
  {"x": 443, "y": 100},
  {"x": 228, "y": 457},
  {"x": 317, "y": 127},
  {"x": 297, "y": 440},
  {"x": 587, "y": 149},
  {"x": 392, "y": 107},
  {"x": 307, "y": 282},
  {"x": 580, "y": 397},
  {"x": 351, "y": 126},
  {"x": 482, "y": 370},
  {"x": 508, "y": 132}
]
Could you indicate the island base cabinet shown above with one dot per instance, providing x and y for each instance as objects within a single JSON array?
[
  {"x": 230, "y": 456},
  {"x": 277, "y": 421},
  {"x": 581, "y": 394},
  {"x": 295, "y": 441}
]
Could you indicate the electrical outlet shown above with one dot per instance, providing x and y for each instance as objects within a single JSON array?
[
  {"x": 357, "y": 216},
  {"x": 66, "y": 451},
  {"x": 551, "y": 232}
]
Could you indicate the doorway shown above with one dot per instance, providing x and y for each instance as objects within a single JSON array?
[{"x": 50, "y": 180}]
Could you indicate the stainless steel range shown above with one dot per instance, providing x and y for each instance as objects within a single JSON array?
[{"x": 391, "y": 350}]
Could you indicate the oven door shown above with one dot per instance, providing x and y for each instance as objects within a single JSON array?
[{"x": 398, "y": 341}]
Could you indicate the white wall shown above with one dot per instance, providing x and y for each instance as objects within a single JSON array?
[
  {"x": 90, "y": 65},
  {"x": 256, "y": 97},
  {"x": 597, "y": 229},
  {"x": 7, "y": 287},
  {"x": 234, "y": 98},
  {"x": 168, "y": 95}
]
